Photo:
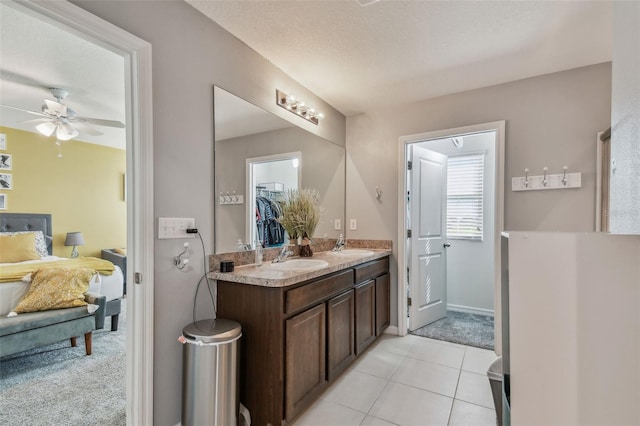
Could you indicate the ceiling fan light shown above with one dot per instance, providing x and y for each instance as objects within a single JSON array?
[
  {"x": 66, "y": 131},
  {"x": 47, "y": 128}
]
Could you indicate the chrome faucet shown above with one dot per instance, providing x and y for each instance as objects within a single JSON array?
[
  {"x": 284, "y": 253},
  {"x": 339, "y": 244}
]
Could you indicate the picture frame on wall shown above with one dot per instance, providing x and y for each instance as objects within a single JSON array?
[
  {"x": 3, "y": 141},
  {"x": 3, "y": 201},
  {"x": 6, "y": 181},
  {"x": 6, "y": 161}
]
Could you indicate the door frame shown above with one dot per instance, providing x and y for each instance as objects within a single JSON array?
[
  {"x": 404, "y": 142},
  {"x": 140, "y": 230},
  {"x": 250, "y": 223}
]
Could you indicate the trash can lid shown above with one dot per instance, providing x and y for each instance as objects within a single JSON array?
[
  {"x": 213, "y": 330},
  {"x": 495, "y": 370}
]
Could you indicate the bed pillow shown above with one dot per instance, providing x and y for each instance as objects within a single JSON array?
[
  {"x": 41, "y": 241},
  {"x": 122, "y": 251},
  {"x": 56, "y": 288},
  {"x": 18, "y": 248}
]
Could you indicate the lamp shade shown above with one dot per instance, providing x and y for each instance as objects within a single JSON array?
[{"x": 74, "y": 239}]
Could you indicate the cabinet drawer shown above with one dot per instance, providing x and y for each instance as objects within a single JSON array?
[
  {"x": 317, "y": 291},
  {"x": 372, "y": 269}
]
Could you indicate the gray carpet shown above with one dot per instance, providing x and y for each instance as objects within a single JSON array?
[
  {"x": 60, "y": 385},
  {"x": 463, "y": 328}
]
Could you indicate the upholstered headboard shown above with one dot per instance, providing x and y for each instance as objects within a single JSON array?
[{"x": 14, "y": 222}]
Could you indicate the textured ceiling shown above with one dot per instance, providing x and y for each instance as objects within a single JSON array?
[
  {"x": 35, "y": 56},
  {"x": 393, "y": 52}
]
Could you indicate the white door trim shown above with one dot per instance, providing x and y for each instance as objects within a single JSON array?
[
  {"x": 404, "y": 141},
  {"x": 140, "y": 231}
]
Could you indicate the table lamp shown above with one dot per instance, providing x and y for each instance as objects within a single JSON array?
[{"x": 74, "y": 239}]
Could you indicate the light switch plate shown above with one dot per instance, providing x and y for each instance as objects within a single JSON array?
[
  {"x": 353, "y": 224},
  {"x": 337, "y": 224},
  {"x": 175, "y": 227}
]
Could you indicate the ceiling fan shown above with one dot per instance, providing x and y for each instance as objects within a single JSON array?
[{"x": 57, "y": 118}]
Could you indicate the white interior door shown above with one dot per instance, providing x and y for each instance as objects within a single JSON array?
[{"x": 428, "y": 218}]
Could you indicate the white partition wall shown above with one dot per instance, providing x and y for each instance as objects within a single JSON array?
[{"x": 574, "y": 302}]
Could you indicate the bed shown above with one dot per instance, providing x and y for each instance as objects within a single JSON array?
[{"x": 11, "y": 292}]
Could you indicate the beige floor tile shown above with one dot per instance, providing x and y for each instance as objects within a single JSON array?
[
  {"x": 428, "y": 376},
  {"x": 374, "y": 421},
  {"x": 379, "y": 363},
  {"x": 355, "y": 390},
  {"x": 395, "y": 344},
  {"x": 408, "y": 406},
  {"x": 465, "y": 414},
  {"x": 475, "y": 388},
  {"x": 325, "y": 413},
  {"x": 438, "y": 352},
  {"x": 478, "y": 360}
]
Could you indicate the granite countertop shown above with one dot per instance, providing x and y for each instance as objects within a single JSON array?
[{"x": 268, "y": 276}]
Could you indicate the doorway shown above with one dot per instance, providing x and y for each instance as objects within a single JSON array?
[
  {"x": 452, "y": 215},
  {"x": 139, "y": 187},
  {"x": 269, "y": 178}
]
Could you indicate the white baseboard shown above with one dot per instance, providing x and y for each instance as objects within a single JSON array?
[
  {"x": 392, "y": 329},
  {"x": 470, "y": 310}
]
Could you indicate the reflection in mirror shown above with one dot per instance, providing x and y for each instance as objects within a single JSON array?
[
  {"x": 269, "y": 180},
  {"x": 245, "y": 135}
]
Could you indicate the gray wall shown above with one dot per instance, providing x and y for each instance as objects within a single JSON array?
[
  {"x": 190, "y": 55},
  {"x": 625, "y": 120},
  {"x": 551, "y": 120},
  {"x": 470, "y": 264}
]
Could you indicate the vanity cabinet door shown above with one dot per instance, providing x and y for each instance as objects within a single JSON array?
[
  {"x": 383, "y": 303},
  {"x": 340, "y": 333},
  {"x": 305, "y": 359},
  {"x": 365, "y": 315}
]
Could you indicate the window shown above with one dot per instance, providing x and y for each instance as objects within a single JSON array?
[{"x": 464, "y": 197}]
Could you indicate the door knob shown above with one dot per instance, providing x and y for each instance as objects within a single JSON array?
[{"x": 445, "y": 245}]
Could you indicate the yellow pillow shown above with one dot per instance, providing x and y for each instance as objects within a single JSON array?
[
  {"x": 18, "y": 247},
  {"x": 56, "y": 288},
  {"x": 122, "y": 251}
]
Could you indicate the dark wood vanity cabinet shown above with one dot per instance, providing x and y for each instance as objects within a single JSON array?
[
  {"x": 297, "y": 339},
  {"x": 305, "y": 356},
  {"x": 340, "y": 333},
  {"x": 365, "y": 315}
]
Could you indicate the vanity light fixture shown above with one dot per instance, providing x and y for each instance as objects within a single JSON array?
[{"x": 298, "y": 107}]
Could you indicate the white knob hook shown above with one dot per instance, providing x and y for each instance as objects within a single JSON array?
[{"x": 179, "y": 261}]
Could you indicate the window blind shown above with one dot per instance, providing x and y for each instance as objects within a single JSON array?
[{"x": 465, "y": 176}]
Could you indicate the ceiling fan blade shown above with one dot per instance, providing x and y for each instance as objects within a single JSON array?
[
  {"x": 41, "y": 114},
  {"x": 98, "y": 122},
  {"x": 34, "y": 121},
  {"x": 85, "y": 128},
  {"x": 56, "y": 107}
]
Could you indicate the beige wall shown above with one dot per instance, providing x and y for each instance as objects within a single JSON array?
[
  {"x": 83, "y": 191},
  {"x": 551, "y": 120},
  {"x": 191, "y": 54}
]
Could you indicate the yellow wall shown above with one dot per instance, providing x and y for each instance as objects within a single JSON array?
[{"x": 83, "y": 191}]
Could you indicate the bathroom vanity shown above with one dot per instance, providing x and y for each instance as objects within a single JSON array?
[{"x": 302, "y": 327}]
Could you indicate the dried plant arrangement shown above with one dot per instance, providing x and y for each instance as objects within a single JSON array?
[{"x": 300, "y": 216}]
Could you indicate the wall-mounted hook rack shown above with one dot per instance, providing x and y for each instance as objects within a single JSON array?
[
  {"x": 562, "y": 180},
  {"x": 179, "y": 261},
  {"x": 230, "y": 198}
]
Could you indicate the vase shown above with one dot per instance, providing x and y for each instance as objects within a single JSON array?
[{"x": 305, "y": 248}]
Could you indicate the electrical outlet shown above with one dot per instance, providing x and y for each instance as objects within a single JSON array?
[
  {"x": 337, "y": 224},
  {"x": 353, "y": 224},
  {"x": 175, "y": 227}
]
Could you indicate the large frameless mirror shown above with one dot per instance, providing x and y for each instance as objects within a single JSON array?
[{"x": 258, "y": 157}]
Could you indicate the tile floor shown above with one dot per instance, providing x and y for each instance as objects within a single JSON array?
[{"x": 407, "y": 381}]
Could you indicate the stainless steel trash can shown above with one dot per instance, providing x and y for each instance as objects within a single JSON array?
[
  {"x": 495, "y": 380},
  {"x": 210, "y": 358}
]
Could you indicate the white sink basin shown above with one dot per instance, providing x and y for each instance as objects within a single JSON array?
[
  {"x": 299, "y": 264},
  {"x": 352, "y": 252}
]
